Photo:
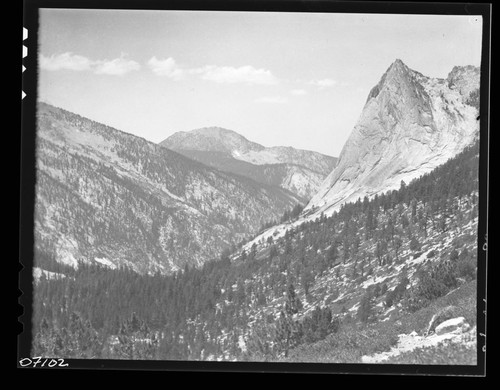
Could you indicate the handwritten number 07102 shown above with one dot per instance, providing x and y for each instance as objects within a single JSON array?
[{"x": 39, "y": 362}]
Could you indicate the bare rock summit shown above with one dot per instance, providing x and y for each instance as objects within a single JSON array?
[{"x": 409, "y": 125}]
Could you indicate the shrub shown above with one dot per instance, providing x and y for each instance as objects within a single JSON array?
[
  {"x": 466, "y": 266},
  {"x": 389, "y": 298},
  {"x": 443, "y": 353},
  {"x": 319, "y": 324},
  {"x": 348, "y": 345},
  {"x": 365, "y": 309},
  {"x": 258, "y": 343},
  {"x": 445, "y": 273},
  {"x": 417, "y": 255},
  {"x": 394, "y": 296},
  {"x": 463, "y": 298},
  {"x": 431, "y": 254},
  {"x": 376, "y": 290},
  {"x": 466, "y": 270},
  {"x": 433, "y": 283},
  {"x": 415, "y": 245},
  {"x": 335, "y": 294},
  {"x": 426, "y": 290}
]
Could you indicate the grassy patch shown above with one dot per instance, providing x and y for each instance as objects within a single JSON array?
[
  {"x": 348, "y": 345},
  {"x": 444, "y": 353},
  {"x": 464, "y": 298}
]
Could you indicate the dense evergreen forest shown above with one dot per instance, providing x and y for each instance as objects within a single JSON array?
[{"x": 395, "y": 253}]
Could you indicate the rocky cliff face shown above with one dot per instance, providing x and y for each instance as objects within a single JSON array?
[
  {"x": 296, "y": 170},
  {"x": 410, "y": 124},
  {"x": 113, "y": 198}
]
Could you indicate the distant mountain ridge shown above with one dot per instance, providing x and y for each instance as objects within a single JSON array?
[
  {"x": 299, "y": 171},
  {"x": 106, "y": 196},
  {"x": 213, "y": 139}
]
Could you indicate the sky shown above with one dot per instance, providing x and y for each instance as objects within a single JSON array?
[{"x": 279, "y": 79}]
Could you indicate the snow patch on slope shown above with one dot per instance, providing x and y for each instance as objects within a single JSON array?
[
  {"x": 38, "y": 272},
  {"x": 105, "y": 262}
]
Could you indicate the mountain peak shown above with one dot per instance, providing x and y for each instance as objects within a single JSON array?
[
  {"x": 410, "y": 124},
  {"x": 398, "y": 64},
  {"x": 396, "y": 72},
  {"x": 212, "y": 130},
  {"x": 397, "y": 69},
  {"x": 465, "y": 79},
  {"x": 463, "y": 69},
  {"x": 214, "y": 139},
  {"x": 218, "y": 146}
]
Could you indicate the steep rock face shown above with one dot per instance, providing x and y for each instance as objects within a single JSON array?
[
  {"x": 295, "y": 178},
  {"x": 464, "y": 78},
  {"x": 296, "y": 170},
  {"x": 409, "y": 125},
  {"x": 113, "y": 198}
]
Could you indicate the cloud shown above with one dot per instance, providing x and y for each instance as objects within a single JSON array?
[
  {"x": 298, "y": 92},
  {"x": 324, "y": 83},
  {"x": 219, "y": 74},
  {"x": 245, "y": 74},
  {"x": 272, "y": 100},
  {"x": 67, "y": 61},
  {"x": 166, "y": 67},
  {"x": 116, "y": 67},
  {"x": 75, "y": 62}
]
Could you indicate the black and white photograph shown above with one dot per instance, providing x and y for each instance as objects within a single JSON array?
[{"x": 251, "y": 186}]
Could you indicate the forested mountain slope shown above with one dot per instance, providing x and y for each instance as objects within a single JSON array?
[
  {"x": 331, "y": 290},
  {"x": 110, "y": 197}
]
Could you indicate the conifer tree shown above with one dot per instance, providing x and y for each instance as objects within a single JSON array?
[
  {"x": 397, "y": 244},
  {"x": 332, "y": 254},
  {"x": 413, "y": 209},
  {"x": 346, "y": 250},
  {"x": 306, "y": 279},
  {"x": 365, "y": 309},
  {"x": 293, "y": 303},
  {"x": 288, "y": 333}
]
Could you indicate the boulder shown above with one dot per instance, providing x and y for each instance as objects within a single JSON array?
[{"x": 453, "y": 325}]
